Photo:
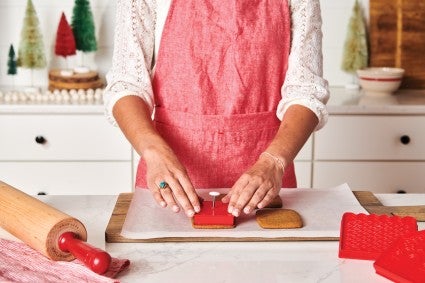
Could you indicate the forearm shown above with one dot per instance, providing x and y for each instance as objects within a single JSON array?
[
  {"x": 133, "y": 117},
  {"x": 297, "y": 125}
]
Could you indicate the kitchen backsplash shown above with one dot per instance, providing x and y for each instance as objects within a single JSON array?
[{"x": 335, "y": 14}]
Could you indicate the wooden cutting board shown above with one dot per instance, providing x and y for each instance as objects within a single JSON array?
[
  {"x": 397, "y": 38},
  {"x": 366, "y": 199}
]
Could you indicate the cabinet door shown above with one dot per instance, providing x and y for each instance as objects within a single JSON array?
[
  {"x": 371, "y": 138},
  {"x": 68, "y": 178},
  {"x": 61, "y": 137},
  {"x": 378, "y": 177}
]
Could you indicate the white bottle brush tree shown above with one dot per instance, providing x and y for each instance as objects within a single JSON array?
[
  {"x": 355, "y": 54},
  {"x": 31, "y": 48}
]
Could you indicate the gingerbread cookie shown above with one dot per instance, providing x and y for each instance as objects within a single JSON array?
[
  {"x": 213, "y": 217},
  {"x": 278, "y": 219},
  {"x": 216, "y": 226}
]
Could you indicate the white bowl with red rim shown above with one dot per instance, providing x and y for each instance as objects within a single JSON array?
[{"x": 380, "y": 81}]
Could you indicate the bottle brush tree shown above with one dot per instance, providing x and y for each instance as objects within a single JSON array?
[
  {"x": 12, "y": 62},
  {"x": 31, "y": 48},
  {"x": 83, "y": 26},
  {"x": 355, "y": 54},
  {"x": 65, "y": 40}
]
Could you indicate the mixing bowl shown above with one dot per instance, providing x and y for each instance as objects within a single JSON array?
[{"x": 380, "y": 81}]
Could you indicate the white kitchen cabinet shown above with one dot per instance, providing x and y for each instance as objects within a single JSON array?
[
  {"x": 61, "y": 137},
  {"x": 63, "y": 150},
  {"x": 68, "y": 177},
  {"x": 375, "y": 176},
  {"x": 372, "y": 143},
  {"x": 368, "y": 137}
]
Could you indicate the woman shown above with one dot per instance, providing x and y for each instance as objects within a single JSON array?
[{"x": 235, "y": 89}]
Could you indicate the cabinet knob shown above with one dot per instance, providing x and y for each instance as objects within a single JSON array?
[
  {"x": 41, "y": 193},
  {"x": 40, "y": 140},
  {"x": 405, "y": 139},
  {"x": 401, "y": 192}
]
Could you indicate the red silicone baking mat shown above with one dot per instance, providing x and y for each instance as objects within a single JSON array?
[
  {"x": 405, "y": 260},
  {"x": 367, "y": 236}
]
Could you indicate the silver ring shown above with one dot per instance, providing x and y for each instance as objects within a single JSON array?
[{"x": 163, "y": 185}]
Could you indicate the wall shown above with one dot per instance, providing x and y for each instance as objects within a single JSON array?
[{"x": 335, "y": 14}]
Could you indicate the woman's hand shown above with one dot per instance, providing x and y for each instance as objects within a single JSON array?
[
  {"x": 164, "y": 166},
  {"x": 257, "y": 187},
  {"x": 134, "y": 118}
]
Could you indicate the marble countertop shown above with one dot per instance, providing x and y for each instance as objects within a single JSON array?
[
  {"x": 309, "y": 261},
  {"x": 403, "y": 102},
  {"x": 342, "y": 101}
]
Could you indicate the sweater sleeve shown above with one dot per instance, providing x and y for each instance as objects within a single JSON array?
[
  {"x": 133, "y": 54},
  {"x": 304, "y": 83}
]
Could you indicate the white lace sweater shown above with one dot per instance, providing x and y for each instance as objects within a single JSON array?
[{"x": 139, "y": 25}]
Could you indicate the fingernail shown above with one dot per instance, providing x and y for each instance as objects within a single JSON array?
[
  {"x": 247, "y": 210},
  {"x": 176, "y": 208},
  {"x": 163, "y": 204},
  {"x": 190, "y": 213},
  {"x": 197, "y": 208},
  {"x": 230, "y": 209},
  {"x": 235, "y": 213}
]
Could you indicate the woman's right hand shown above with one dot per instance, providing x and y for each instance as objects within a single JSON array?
[{"x": 164, "y": 166}]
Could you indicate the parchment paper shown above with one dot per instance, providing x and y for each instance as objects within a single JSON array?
[{"x": 320, "y": 209}]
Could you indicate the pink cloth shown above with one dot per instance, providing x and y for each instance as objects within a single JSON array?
[
  {"x": 20, "y": 263},
  {"x": 217, "y": 84}
]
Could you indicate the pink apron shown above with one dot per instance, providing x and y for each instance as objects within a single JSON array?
[{"x": 217, "y": 84}]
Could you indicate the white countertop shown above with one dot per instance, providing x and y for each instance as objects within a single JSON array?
[
  {"x": 314, "y": 261},
  {"x": 342, "y": 101}
]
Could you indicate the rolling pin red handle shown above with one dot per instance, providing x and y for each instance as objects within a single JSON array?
[{"x": 94, "y": 258}]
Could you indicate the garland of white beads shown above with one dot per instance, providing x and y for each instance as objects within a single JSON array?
[{"x": 81, "y": 96}]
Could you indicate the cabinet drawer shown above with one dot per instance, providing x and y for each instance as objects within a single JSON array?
[
  {"x": 68, "y": 178},
  {"x": 378, "y": 177},
  {"x": 61, "y": 137},
  {"x": 371, "y": 138}
]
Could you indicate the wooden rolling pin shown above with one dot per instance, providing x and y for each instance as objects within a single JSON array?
[{"x": 55, "y": 234}]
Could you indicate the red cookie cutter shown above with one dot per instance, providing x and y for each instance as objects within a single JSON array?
[
  {"x": 213, "y": 216},
  {"x": 367, "y": 236}
]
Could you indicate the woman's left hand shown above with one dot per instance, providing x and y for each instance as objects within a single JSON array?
[{"x": 257, "y": 187}]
